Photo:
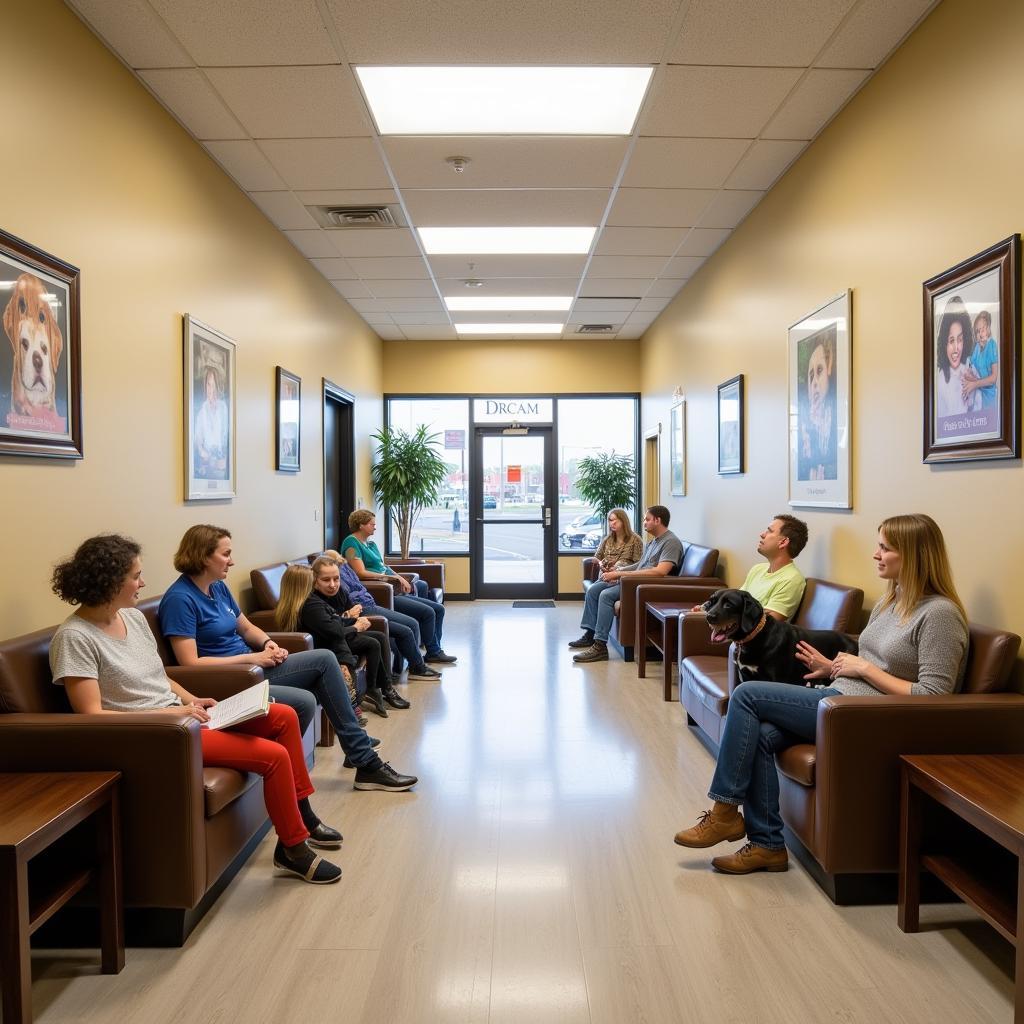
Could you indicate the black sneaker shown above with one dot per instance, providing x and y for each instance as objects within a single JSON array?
[
  {"x": 384, "y": 777},
  {"x": 425, "y": 673},
  {"x": 395, "y": 699},
  {"x": 584, "y": 641},
  {"x": 324, "y": 837},
  {"x": 440, "y": 658},
  {"x": 597, "y": 651},
  {"x": 305, "y": 864},
  {"x": 373, "y": 700}
]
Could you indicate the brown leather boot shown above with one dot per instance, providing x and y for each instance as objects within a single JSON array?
[
  {"x": 722, "y": 824},
  {"x": 752, "y": 858}
]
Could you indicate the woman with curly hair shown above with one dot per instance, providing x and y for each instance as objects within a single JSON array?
[
  {"x": 954, "y": 343},
  {"x": 105, "y": 657}
]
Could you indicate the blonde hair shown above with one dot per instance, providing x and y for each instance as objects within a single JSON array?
[
  {"x": 334, "y": 556},
  {"x": 296, "y": 586},
  {"x": 924, "y": 568},
  {"x": 359, "y": 518},
  {"x": 628, "y": 533},
  {"x": 326, "y": 560}
]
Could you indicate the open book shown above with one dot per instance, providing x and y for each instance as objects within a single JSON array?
[{"x": 253, "y": 702}]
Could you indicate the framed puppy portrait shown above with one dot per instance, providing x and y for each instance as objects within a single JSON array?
[
  {"x": 40, "y": 365},
  {"x": 209, "y": 414},
  {"x": 819, "y": 407},
  {"x": 730, "y": 426},
  {"x": 971, "y": 367},
  {"x": 289, "y": 421}
]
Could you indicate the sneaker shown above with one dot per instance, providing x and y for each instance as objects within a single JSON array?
[
  {"x": 383, "y": 777},
  {"x": 373, "y": 700},
  {"x": 305, "y": 864},
  {"x": 597, "y": 651},
  {"x": 395, "y": 699},
  {"x": 425, "y": 673},
  {"x": 722, "y": 824},
  {"x": 752, "y": 858},
  {"x": 440, "y": 658},
  {"x": 324, "y": 837},
  {"x": 374, "y": 742},
  {"x": 584, "y": 641}
]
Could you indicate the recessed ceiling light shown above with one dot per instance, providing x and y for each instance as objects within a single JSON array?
[
  {"x": 503, "y": 241},
  {"x": 459, "y": 303},
  {"x": 504, "y": 100},
  {"x": 509, "y": 328}
]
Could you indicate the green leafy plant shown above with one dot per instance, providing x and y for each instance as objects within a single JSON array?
[
  {"x": 407, "y": 476},
  {"x": 606, "y": 481}
]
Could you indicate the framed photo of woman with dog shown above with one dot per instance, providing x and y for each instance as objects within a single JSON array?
[
  {"x": 209, "y": 414},
  {"x": 40, "y": 367}
]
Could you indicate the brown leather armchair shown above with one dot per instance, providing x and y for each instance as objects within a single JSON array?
[
  {"x": 432, "y": 573},
  {"x": 708, "y": 673},
  {"x": 840, "y": 795}
]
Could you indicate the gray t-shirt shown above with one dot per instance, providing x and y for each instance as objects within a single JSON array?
[
  {"x": 129, "y": 671},
  {"x": 666, "y": 548}
]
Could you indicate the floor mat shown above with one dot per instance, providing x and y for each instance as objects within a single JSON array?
[{"x": 533, "y": 604}]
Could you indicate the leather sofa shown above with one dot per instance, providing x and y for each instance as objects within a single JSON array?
[
  {"x": 186, "y": 829},
  {"x": 432, "y": 573},
  {"x": 698, "y": 566},
  {"x": 707, "y": 671}
]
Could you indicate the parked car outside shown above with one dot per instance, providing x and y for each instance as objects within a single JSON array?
[
  {"x": 592, "y": 539},
  {"x": 573, "y": 535},
  {"x": 490, "y": 501}
]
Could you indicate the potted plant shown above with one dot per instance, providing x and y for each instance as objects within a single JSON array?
[
  {"x": 407, "y": 476},
  {"x": 606, "y": 481}
]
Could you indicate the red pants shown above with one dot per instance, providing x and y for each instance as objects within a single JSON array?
[{"x": 271, "y": 747}]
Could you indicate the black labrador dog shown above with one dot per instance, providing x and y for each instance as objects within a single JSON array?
[{"x": 766, "y": 647}]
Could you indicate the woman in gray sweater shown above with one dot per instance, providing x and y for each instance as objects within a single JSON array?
[{"x": 915, "y": 643}]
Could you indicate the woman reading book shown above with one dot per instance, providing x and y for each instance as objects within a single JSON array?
[{"x": 106, "y": 658}]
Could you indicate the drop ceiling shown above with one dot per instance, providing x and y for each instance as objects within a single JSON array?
[{"x": 740, "y": 88}]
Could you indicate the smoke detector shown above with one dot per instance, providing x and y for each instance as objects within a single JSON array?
[{"x": 457, "y": 163}]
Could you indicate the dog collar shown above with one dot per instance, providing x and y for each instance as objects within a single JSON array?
[{"x": 757, "y": 629}]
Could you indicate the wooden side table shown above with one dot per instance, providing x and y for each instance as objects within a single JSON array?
[
  {"x": 987, "y": 792},
  {"x": 36, "y": 809},
  {"x": 661, "y": 630}
]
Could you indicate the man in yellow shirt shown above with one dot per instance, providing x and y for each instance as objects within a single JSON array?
[{"x": 777, "y": 583}]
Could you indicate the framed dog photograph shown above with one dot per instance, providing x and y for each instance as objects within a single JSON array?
[
  {"x": 40, "y": 370},
  {"x": 289, "y": 421},
  {"x": 971, "y": 367},
  {"x": 730, "y": 426},
  {"x": 677, "y": 449},
  {"x": 209, "y": 414},
  {"x": 819, "y": 406}
]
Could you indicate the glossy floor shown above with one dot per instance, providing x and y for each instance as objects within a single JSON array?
[{"x": 531, "y": 877}]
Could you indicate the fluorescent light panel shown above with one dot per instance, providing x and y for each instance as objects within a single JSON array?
[
  {"x": 504, "y": 100},
  {"x": 509, "y": 328},
  {"x": 464, "y": 304},
  {"x": 506, "y": 241}
]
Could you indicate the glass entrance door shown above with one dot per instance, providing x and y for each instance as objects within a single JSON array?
[{"x": 513, "y": 541}]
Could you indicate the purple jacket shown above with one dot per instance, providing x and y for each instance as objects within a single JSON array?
[{"x": 354, "y": 585}]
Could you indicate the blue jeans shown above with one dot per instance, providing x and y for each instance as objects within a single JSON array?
[
  {"x": 318, "y": 672},
  {"x": 763, "y": 718},
  {"x": 302, "y": 702},
  {"x": 429, "y": 615},
  {"x": 599, "y": 608},
  {"x": 405, "y": 638}
]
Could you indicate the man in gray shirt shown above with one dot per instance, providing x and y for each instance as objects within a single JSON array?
[{"x": 662, "y": 554}]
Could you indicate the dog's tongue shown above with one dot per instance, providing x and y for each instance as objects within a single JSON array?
[{"x": 718, "y": 636}]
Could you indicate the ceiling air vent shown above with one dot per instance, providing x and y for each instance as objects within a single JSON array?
[
  {"x": 354, "y": 217},
  {"x": 595, "y": 329}
]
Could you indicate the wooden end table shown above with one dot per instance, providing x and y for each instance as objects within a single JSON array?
[
  {"x": 37, "y": 808},
  {"x": 987, "y": 792},
  {"x": 661, "y": 630}
]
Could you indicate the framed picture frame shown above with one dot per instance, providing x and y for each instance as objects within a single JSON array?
[
  {"x": 41, "y": 368},
  {"x": 972, "y": 358},
  {"x": 820, "y": 365},
  {"x": 677, "y": 449},
  {"x": 288, "y": 432},
  {"x": 209, "y": 414},
  {"x": 730, "y": 426}
]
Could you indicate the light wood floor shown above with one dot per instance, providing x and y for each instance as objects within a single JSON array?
[{"x": 532, "y": 877}]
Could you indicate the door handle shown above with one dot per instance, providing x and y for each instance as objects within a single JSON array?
[{"x": 547, "y": 517}]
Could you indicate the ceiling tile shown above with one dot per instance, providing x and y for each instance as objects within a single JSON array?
[
  {"x": 283, "y": 209},
  {"x": 659, "y": 207},
  {"x": 508, "y": 266},
  {"x": 683, "y": 163},
  {"x": 664, "y": 288},
  {"x": 783, "y": 33},
  {"x": 510, "y": 286},
  {"x": 626, "y": 266},
  {"x": 386, "y": 333},
  {"x": 312, "y": 243},
  {"x": 642, "y": 319},
  {"x": 702, "y": 241},
  {"x": 134, "y": 32},
  {"x": 729, "y": 207},
  {"x": 523, "y": 161},
  {"x": 491, "y": 207},
  {"x": 395, "y": 268},
  {"x": 630, "y": 332},
  {"x": 872, "y": 32},
  {"x": 466, "y": 31},
  {"x": 630, "y": 287},
  {"x": 420, "y": 305},
  {"x": 327, "y": 163},
  {"x": 639, "y": 241},
  {"x": 653, "y": 304},
  {"x": 763, "y": 164},
  {"x": 187, "y": 94},
  {"x": 245, "y": 163},
  {"x": 604, "y": 306},
  {"x": 334, "y": 268},
  {"x": 814, "y": 102},
  {"x": 293, "y": 102},
  {"x": 733, "y": 103},
  {"x": 375, "y": 320},
  {"x": 249, "y": 32},
  {"x": 348, "y": 197},
  {"x": 429, "y": 332},
  {"x": 440, "y": 319},
  {"x": 375, "y": 242},
  {"x": 401, "y": 289},
  {"x": 352, "y": 289},
  {"x": 683, "y": 267}
]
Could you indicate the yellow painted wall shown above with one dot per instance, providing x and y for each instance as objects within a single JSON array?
[
  {"x": 97, "y": 173},
  {"x": 920, "y": 171}
]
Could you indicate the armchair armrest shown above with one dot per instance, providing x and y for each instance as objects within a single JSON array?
[
  {"x": 381, "y": 592},
  {"x": 265, "y": 619},
  {"x": 217, "y": 681},
  {"x": 380, "y": 624},
  {"x": 591, "y": 568},
  {"x": 432, "y": 573},
  {"x": 695, "y": 637},
  {"x": 293, "y": 643}
]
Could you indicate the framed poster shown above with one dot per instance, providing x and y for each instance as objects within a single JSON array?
[
  {"x": 677, "y": 449},
  {"x": 209, "y": 415},
  {"x": 288, "y": 434},
  {"x": 971, "y": 358},
  {"x": 819, "y": 406},
  {"x": 730, "y": 426},
  {"x": 40, "y": 368}
]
